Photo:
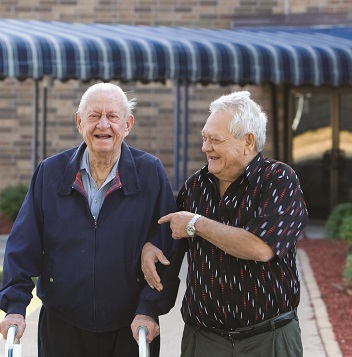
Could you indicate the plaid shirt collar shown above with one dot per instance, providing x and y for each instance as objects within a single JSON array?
[
  {"x": 115, "y": 184},
  {"x": 84, "y": 165}
]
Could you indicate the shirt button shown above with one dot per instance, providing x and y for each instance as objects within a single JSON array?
[{"x": 51, "y": 280}]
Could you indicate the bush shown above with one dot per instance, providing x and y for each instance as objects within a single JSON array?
[
  {"x": 11, "y": 199},
  {"x": 345, "y": 231},
  {"x": 336, "y": 217},
  {"x": 347, "y": 274}
]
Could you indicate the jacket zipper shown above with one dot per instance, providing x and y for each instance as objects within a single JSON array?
[
  {"x": 95, "y": 219},
  {"x": 94, "y": 267},
  {"x": 95, "y": 243}
]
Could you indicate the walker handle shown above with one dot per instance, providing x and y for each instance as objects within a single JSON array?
[
  {"x": 9, "y": 346},
  {"x": 142, "y": 341},
  {"x": 11, "y": 333}
]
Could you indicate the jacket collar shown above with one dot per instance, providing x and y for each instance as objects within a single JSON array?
[{"x": 126, "y": 170}]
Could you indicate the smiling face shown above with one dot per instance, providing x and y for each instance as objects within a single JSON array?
[
  {"x": 103, "y": 123},
  {"x": 227, "y": 157}
]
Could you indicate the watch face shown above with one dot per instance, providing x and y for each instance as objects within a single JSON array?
[
  {"x": 190, "y": 231},
  {"x": 190, "y": 228}
]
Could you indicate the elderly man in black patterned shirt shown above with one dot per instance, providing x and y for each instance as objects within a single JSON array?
[{"x": 241, "y": 215}]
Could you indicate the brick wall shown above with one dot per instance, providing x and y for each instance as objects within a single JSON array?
[
  {"x": 154, "y": 126},
  {"x": 198, "y": 13}
]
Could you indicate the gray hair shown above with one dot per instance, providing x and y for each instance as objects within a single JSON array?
[
  {"x": 108, "y": 88},
  {"x": 247, "y": 116}
]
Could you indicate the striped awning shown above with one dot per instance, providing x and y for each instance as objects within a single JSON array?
[{"x": 298, "y": 56}]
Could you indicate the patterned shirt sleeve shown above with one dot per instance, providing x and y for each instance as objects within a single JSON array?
[{"x": 281, "y": 212}]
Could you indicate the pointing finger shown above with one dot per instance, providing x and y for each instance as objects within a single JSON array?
[{"x": 166, "y": 218}]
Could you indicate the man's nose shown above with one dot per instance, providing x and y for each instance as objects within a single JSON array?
[
  {"x": 206, "y": 146},
  {"x": 103, "y": 122}
]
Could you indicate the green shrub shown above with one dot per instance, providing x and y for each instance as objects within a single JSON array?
[
  {"x": 345, "y": 231},
  {"x": 347, "y": 274},
  {"x": 11, "y": 199},
  {"x": 337, "y": 215}
]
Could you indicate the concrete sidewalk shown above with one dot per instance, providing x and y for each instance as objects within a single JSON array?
[{"x": 317, "y": 334}]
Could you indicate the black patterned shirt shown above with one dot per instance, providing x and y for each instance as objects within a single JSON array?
[{"x": 226, "y": 292}]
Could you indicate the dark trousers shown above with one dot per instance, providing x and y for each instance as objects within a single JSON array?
[
  {"x": 56, "y": 338},
  {"x": 282, "y": 342}
]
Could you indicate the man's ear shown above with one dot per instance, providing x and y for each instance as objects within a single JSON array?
[
  {"x": 129, "y": 124},
  {"x": 249, "y": 144},
  {"x": 78, "y": 121}
]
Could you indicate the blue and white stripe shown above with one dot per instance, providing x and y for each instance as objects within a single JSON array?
[{"x": 300, "y": 56}]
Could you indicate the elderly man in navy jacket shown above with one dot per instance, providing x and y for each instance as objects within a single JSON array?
[{"x": 81, "y": 229}]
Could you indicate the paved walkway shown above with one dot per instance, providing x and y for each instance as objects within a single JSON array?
[{"x": 317, "y": 335}]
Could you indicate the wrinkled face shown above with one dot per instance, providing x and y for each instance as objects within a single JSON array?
[
  {"x": 226, "y": 155},
  {"x": 103, "y": 123}
]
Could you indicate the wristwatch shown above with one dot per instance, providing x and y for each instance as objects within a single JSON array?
[{"x": 190, "y": 228}]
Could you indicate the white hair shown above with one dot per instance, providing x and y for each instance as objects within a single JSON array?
[
  {"x": 108, "y": 88},
  {"x": 247, "y": 116}
]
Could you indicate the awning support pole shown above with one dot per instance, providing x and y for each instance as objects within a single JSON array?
[
  {"x": 275, "y": 123},
  {"x": 185, "y": 132},
  {"x": 35, "y": 125},
  {"x": 45, "y": 91},
  {"x": 177, "y": 137}
]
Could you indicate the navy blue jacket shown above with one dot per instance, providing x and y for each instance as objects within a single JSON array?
[{"x": 89, "y": 272}]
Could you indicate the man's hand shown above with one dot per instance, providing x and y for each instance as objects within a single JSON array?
[
  {"x": 178, "y": 222},
  {"x": 150, "y": 256},
  {"x": 13, "y": 319},
  {"x": 149, "y": 323}
]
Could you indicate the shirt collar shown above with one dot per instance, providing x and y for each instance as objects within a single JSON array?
[
  {"x": 84, "y": 165},
  {"x": 253, "y": 167}
]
